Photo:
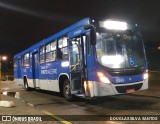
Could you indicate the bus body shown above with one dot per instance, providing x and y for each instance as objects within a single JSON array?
[{"x": 90, "y": 58}]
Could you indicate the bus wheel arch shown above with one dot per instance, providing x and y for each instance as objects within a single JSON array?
[
  {"x": 62, "y": 79},
  {"x": 64, "y": 84},
  {"x": 25, "y": 81}
]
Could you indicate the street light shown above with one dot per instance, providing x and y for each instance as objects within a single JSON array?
[{"x": 2, "y": 58}]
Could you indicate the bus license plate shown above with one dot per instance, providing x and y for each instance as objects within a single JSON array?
[{"x": 130, "y": 90}]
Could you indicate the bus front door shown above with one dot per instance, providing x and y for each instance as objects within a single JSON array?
[
  {"x": 35, "y": 70},
  {"x": 75, "y": 48}
]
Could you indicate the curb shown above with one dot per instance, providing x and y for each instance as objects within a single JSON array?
[{"x": 7, "y": 104}]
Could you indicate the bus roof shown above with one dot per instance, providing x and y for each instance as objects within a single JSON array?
[{"x": 80, "y": 23}]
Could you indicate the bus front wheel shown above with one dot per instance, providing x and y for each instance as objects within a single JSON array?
[{"x": 67, "y": 91}]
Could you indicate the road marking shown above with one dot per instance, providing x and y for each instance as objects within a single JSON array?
[{"x": 57, "y": 118}]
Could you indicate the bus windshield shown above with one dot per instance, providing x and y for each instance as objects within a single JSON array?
[{"x": 120, "y": 50}]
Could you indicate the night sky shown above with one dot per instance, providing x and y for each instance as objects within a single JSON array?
[{"x": 26, "y": 22}]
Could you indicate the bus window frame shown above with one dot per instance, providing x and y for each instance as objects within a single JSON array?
[
  {"x": 51, "y": 52},
  {"x": 23, "y": 60}
]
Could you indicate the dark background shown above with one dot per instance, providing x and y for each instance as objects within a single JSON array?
[{"x": 26, "y": 22}]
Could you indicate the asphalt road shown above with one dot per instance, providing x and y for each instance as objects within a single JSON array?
[{"x": 141, "y": 103}]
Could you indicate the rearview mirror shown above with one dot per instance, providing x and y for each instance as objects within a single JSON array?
[{"x": 92, "y": 33}]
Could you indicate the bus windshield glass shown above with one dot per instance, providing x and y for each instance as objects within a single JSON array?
[{"x": 120, "y": 50}]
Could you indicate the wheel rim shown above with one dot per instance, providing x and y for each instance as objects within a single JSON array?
[{"x": 67, "y": 90}]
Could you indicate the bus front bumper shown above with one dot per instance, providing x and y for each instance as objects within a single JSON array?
[{"x": 97, "y": 89}]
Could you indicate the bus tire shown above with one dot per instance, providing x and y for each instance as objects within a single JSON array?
[
  {"x": 67, "y": 91},
  {"x": 26, "y": 85}
]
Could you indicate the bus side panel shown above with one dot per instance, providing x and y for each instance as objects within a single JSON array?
[
  {"x": 43, "y": 81},
  {"x": 18, "y": 73},
  {"x": 27, "y": 72},
  {"x": 91, "y": 68},
  {"x": 62, "y": 70},
  {"x": 48, "y": 76}
]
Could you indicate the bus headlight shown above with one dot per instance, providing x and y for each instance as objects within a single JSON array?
[
  {"x": 145, "y": 76},
  {"x": 103, "y": 78}
]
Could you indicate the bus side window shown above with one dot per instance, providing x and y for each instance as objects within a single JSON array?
[
  {"x": 22, "y": 61},
  {"x": 48, "y": 52},
  {"x": 42, "y": 54},
  {"x": 15, "y": 63},
  {"x": 25, "y": 60},
  {"x": 53, "y": 51},
  {"x": 30, "y": 58},
  {"x": 62, "y": 50}
]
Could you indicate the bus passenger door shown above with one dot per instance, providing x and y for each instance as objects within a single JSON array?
[
  {"x": 35, "y": 70},
  {"x": 75, "y": 58}
]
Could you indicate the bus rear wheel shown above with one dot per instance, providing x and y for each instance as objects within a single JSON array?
[
  {"x": 26, "y": 85},
  {"x": 67, "y": 91}
]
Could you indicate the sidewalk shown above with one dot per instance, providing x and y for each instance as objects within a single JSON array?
[{"x": 21, "y": 109}]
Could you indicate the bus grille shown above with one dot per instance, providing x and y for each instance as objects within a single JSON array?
[
  {"x": 125, "y": 73},
  {"x": 122, "y": 89}
]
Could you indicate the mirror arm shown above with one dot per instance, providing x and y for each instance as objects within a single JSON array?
[{"x": 92, "y": 33}]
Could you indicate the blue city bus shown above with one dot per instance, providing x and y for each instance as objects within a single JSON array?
[{"x": 90, "y": 58}]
